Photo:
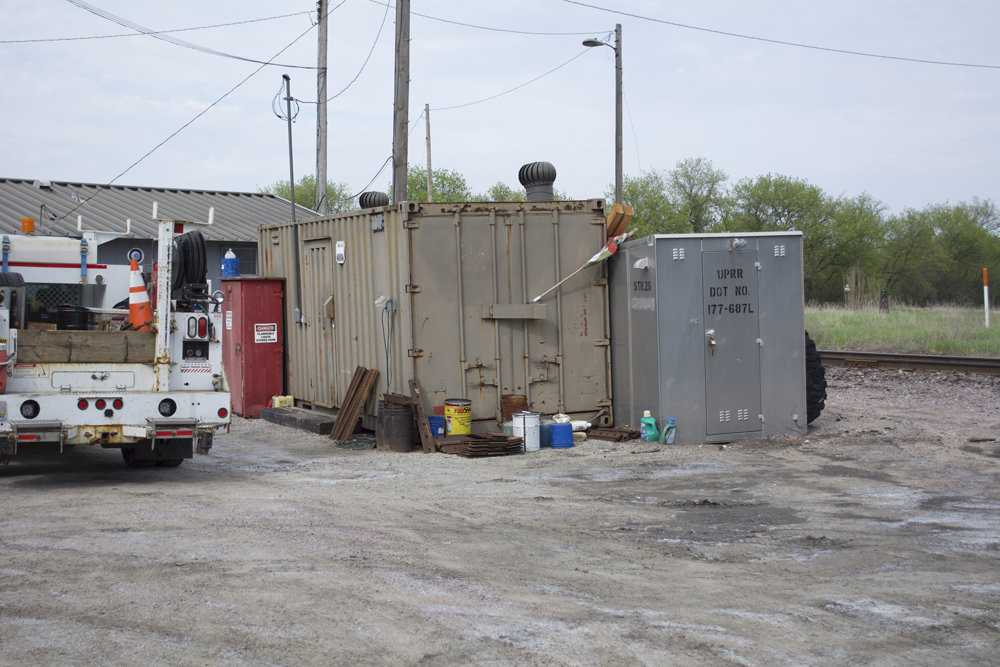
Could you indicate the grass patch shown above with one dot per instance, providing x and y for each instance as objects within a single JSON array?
[{"x": 937, "y": 330}]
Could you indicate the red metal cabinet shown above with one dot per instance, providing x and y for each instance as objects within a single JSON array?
[{"x": 253, "y": 341}]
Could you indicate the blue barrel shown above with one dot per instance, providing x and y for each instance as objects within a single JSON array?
[
  {"x": 230, "y": 267},
  {"x": 437, "y": 425},
  {"x": 562, "y": 436}
]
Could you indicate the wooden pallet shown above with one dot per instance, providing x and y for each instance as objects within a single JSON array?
[
  {"x": 357, "y": 395},
  {"x": 423, "y": 426}
]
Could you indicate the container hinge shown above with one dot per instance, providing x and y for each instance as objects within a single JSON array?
[
  {"x": 604, "y": 342},
  {"x": 600, "y": 282},
  {"x": 604, "y": 403},
  {"x": 761, "y": 418},
  {"x": 412, "y": 289},
  {"x": 415, "y": 353},
  {"x": 760, "y": 342},
  {"x": 411, "y": 224},
  {"x": 757, "y": 264},
  {"x": 484, "y": 383}
]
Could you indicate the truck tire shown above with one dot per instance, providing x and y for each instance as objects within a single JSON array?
[
  {"x": 9, "y": 279},
  {"x": 128, "y": 455},
  {"x": 815, "y": 382},
  {"x": 169, "y": 463}
]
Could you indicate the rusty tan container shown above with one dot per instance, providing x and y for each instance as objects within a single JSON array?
[{"x": 441, "y": 293}]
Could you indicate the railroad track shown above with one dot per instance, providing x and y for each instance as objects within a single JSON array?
[{"x": 911, "y": 362}]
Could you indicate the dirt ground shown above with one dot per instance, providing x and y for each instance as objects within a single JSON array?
[{"x": 874, "y": 540}]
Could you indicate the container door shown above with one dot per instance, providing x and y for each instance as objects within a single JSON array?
[
  {"x": 732, "y": 348},
  {"x": 317, "y": 284}
]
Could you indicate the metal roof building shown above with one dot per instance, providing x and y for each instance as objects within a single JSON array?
[{"x": 55, "y": 206}]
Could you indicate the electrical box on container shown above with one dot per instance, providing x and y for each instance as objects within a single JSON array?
[
  {"x": 253, "y": 352},
  {"x": 709, "y": 330}
]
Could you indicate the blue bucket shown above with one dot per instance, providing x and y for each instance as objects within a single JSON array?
[
  {"x": 437, "y": 425},
  {"x": 562, "y": 436}
]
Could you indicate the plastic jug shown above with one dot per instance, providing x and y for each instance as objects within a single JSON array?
[
  {"x": 647, "y": 427},
  {"x": 668, "y": 433}
]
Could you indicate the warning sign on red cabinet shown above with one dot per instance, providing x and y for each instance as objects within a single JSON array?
[{"x": 265, "y": 333}]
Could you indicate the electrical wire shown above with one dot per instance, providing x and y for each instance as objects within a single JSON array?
[
  {"x": 365, "y": 63},
  {"x": 106, "y": 186},
  {"x": 158, "y": 32},
  {"x": 493, "y": 97},
  {"x": 276, "y": 105},
  {"x": 778, "y": 41},
  {"x": 482, "y": 27},
  {"x": 365, "y": 189},
  {"x": 634, "y": 137},
  {"x": 173, "y": 40}
]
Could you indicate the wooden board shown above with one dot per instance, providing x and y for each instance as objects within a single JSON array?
[
  {"x": 65, "y": 347},
  {"x": 357, "y": 395},
  {"x": 423, "y": 426},
  {"x": 614, "y": 218}
]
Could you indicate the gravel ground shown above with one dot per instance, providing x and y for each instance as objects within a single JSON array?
[{"x": 874, "y": 539}]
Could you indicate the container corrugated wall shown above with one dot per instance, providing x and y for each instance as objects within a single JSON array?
[
  {"x": 462, "y": 277},
  {"x": 323, "y": 352}
]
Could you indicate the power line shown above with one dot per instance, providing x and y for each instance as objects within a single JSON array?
[
  {"x": 777, "y": 41},
  {"x": 493, "y": 97},
  {"x": 106, "y": 186},
  {"x": 363, "y": 65},
  {"x": 172, "y": 40},
  {"x": 482, "y": 27},
  {"x": 158, "y": 32}
]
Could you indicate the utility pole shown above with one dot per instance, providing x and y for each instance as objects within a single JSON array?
[
  {"x": 401, "y": 108},
  {"x": 297, "y": 313},
  {"x": 430, "y": 186},
  {"x": 618, "y": 113},
  {"x": 321, "y": 110}
]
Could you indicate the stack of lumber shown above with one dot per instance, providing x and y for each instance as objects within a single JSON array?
[
  {"x": 613, "y": 434},
  {"x": 617, "y": 219},
  {"x": 357, "y": 395},
  {"x": 475, "y": 445}
]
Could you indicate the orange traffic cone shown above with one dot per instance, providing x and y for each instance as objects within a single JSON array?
[{"x": 140, "y": 312}]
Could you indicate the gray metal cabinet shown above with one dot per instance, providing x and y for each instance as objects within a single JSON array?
[{"x": 709, "y": 329}]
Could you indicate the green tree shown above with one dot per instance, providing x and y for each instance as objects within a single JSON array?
[
  {"x": 449, "y": 186},
  {"x": 699, "y": 190},
  {"x": 339, "y": 196},
  {"x": 653, "y": 210}
]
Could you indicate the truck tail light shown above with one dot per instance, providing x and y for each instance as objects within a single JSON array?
[
  {"x": 118, "y": 404},
  {"x": 192, "y": 327},
  {"x": 100, "y": 404},
  {"x": 83, "y": 404},
  {"x": 202, "y": 327},
  {"x": 223, "y": 412}
]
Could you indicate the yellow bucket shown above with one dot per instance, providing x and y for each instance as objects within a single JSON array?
[{"x": 458, "y": 416}]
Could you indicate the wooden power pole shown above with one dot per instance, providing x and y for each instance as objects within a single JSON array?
[
  {"x": 401, "y": 108},
  {"x": 321, "y": 8},
  {"x": 430, "y": 182}
]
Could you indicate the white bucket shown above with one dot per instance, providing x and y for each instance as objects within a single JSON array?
[{"x": 526, "y": 425}]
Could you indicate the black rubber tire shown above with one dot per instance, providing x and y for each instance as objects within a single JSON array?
[
  {"x": 815, "y": 382},
  {"x": 10, "y": 279},
  {"x": 128, "y": 455},
  {"x": 169, "y": 463}
]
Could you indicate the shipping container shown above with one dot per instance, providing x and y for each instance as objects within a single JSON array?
[
  {"x": 443, "y": 293},
  {"x": 708, "y": 329}
]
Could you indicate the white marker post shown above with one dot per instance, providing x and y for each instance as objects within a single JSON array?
[{"x": 986, "y": 298}]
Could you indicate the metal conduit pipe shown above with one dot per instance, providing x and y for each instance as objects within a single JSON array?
[
  {"x": 524, "y": 299},
  {"x": 461, "y": 305},
  {"x": 493, "y": 322},
  {"x": 559, "y": 354}
]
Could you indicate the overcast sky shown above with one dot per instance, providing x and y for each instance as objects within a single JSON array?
[{"x": 908, "y": 133}]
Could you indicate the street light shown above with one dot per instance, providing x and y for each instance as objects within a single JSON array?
[{"x": 618, "y": 105}]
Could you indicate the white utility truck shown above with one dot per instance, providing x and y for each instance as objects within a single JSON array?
[{"x": 87, "y": 377}]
